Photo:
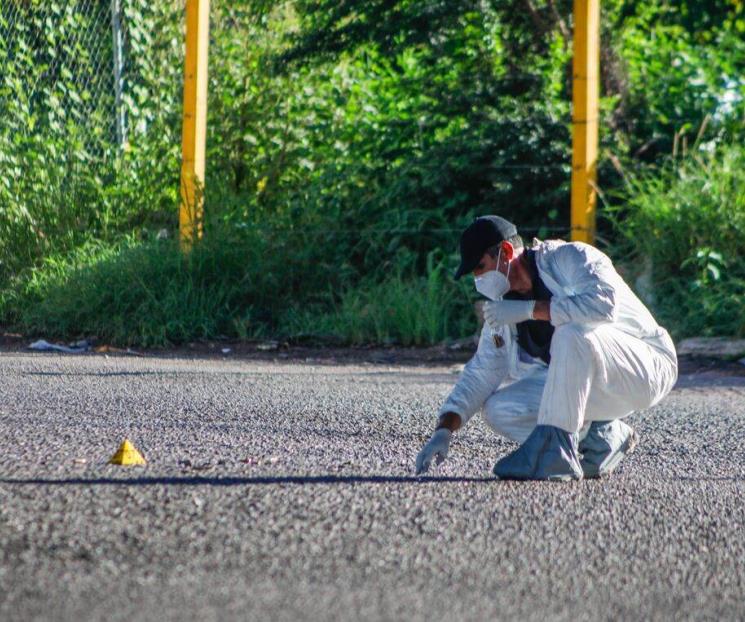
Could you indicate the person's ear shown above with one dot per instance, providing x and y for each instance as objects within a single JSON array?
[{"x": 508, "y": 251}]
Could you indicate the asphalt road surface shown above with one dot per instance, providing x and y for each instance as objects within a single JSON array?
[{"x": 285, "y": 491}]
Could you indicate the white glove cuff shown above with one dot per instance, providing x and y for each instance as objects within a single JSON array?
[{"x": 505, "y": 312}]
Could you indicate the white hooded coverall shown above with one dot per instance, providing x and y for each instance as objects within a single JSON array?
[{"x": 609, "y": 357}]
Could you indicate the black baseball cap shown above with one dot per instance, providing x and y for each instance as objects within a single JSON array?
[{"x": 481, "y": 234}]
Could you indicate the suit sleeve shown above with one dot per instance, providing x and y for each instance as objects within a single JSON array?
[
  {"x": 588, "y": 277},
  {"x": 481, "y": 376}
]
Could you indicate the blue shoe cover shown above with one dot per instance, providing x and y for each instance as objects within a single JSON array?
[
  {"x": 606, "y": 444},
  {"x": 549, "y": 453}
]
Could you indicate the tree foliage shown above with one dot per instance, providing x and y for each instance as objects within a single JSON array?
[{"x": 354, "y": 140}]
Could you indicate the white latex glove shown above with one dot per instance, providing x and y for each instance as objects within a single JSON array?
[
  {"x": 436, "y": 447},
  {"x": 500, "y": 312}
]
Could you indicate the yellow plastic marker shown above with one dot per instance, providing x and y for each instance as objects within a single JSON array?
[{"x": 127, "y": 455}]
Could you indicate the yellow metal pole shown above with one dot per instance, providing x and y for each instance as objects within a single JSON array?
[
  {"x": 585, "y": 118},
  {"x": 194, "y": 124}
]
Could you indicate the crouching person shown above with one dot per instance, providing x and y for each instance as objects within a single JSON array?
[{"x": 567, "y": 351}]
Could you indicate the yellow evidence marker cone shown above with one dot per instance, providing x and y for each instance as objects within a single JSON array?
[{"x": 127, "y": 455}]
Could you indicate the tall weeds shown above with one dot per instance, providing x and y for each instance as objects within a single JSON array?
[
  {"x": 682, "y": 229},
  {"x": 230, "y": 286}
]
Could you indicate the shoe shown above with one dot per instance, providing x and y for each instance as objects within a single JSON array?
[
  {"x": 549, "y": 453},
  {"x": 606, "y": 444}
]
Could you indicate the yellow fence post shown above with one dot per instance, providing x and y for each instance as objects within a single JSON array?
[
  {"x": 194, "y": 123},
  {"x": 586, "y": 68}
]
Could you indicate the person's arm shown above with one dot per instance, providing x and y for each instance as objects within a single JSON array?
[
  {"x": 481, "y": 377},
  {"x": 589, "y": 278}
]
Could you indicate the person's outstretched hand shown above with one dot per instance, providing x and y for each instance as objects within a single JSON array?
[{"x": 436, "y": 447}]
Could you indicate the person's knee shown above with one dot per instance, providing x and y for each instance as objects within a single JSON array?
[{"x": 509, "y": 418}]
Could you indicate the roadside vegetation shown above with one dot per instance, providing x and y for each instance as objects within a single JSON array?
[
  {"x": 347, "y": 148},
  {"x": 681, "y": 232}
]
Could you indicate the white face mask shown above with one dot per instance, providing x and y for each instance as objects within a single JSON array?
[{"x": 493, "y": 284}]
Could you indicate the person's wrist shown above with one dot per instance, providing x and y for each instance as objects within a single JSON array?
[
  {"x": 530, "y": 307},
  {"x": 449, "y": 421}
]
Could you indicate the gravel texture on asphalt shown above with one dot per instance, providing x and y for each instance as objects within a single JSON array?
[{"x": 285, "y": 491}]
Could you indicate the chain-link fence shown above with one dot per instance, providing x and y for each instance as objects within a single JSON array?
[
  {"x": 90, "y": 102},
  {"x": 59, "y": 70},
  {"x": 85, "y": 82},
  {"x": 84, "y": 70}
]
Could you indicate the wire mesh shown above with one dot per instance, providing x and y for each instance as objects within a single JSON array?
[
  {"x": 81, "y": 78},
  {"x": 57, "y": 75}
]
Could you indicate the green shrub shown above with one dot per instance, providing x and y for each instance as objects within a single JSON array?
[
  {"x": 685, "y": 227},
  {"x": 338, "y": 181}
]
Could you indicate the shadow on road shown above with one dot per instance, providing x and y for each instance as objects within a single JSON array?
[
  {"x": 248, "y": 481},
  {"x": 103, "y": 374},
  {"x": 288, "y": 479},
  {"x": 374, "y": 378},
  {"x": 722, "y": 478}
]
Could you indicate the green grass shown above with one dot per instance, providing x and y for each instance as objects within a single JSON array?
[
  {"x": 151, "y": 295},
  {"x": 415, "y": 311},
  {"x": 128, "y": 294}
]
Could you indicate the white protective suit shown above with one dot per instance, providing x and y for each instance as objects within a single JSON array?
[{"x": 609, "y": 357}]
